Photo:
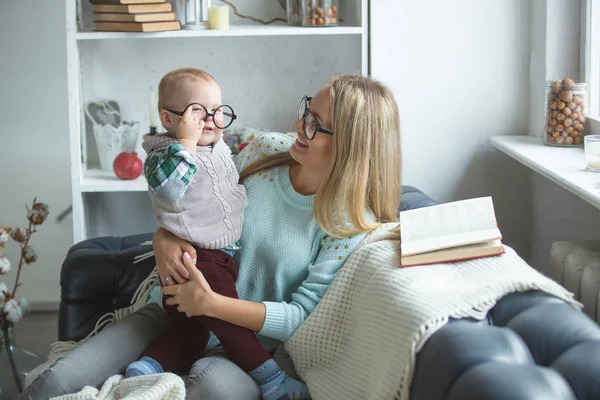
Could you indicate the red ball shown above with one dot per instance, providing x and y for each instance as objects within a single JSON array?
[
  {"x": 242, "y": 146},
  {"x": 128, "y": 165}
]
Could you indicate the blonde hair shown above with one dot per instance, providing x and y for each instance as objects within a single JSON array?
[
  {"x": 168, "y": 82},
  {"x": 364, "y": 174}
]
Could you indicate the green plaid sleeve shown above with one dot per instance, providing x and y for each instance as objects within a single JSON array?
[{"x": 169, "y": 171}]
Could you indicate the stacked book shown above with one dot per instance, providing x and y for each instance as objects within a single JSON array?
[{"x": 134, "y": 16}]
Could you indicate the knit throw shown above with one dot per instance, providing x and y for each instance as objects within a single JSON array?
[
  {"x": 164, "y": 386},
  {"x": 362, "y": 340}
]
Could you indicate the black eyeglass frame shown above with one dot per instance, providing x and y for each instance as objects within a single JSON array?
[
  {"x": 180, "y": 113},
  {"x": 306, "y": 101}
]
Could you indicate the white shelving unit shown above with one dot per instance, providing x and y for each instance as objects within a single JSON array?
[
  {"x": 263, "y": 71},
  {"x": 273, "y": 30}
]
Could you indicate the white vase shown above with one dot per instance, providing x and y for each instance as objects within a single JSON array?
[{"x": 111, "y": 141}]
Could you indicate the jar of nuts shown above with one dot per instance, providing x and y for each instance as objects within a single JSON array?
[
  {"x": 566, "y": 111},
  {"x": 312, "y": 12}
]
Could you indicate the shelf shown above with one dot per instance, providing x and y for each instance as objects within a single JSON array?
[
  {"x": 563, "y": 166},
  {"x": 95, "y": 180},
  {"x": 239, "y": 30}
]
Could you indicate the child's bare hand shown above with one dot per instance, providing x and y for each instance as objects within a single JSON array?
[{"x": 190, "y": 128}]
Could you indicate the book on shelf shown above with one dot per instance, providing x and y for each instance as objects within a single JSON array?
[
  {"x": 94, "y": 2},
  {"x": 138, "y": 26},
  {"x": 143, "y": 17},
  {"x": 449, "y": 232},
  {"x": 133, "y": 8}
]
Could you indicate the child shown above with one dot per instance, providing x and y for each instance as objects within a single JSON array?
[{"x": 203, "y": 204}]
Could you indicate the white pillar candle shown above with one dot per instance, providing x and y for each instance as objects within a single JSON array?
[
  {"x": 592, "y": 162},
  {"x": 153, "y": 108},
  {"x": 218, "y": 17},
  {"x": 592, "y": 153}
]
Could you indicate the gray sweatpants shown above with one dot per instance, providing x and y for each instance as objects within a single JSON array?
[{"x": 108, "y": 353}]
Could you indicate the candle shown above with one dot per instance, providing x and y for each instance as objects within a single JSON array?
[
  {"x": 218, "y": 17},
  {"x": 592, "y": 152},
  {"x": 153, "y": 105}
]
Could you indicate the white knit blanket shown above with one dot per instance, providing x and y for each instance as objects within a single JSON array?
[
  {"x": 150, "y": 387},
  {"x": 362, "y": 339}
]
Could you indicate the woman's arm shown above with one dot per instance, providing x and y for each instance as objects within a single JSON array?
[
  {"x": 244, "y": 313},
  {"x": 278, "y": 320},
  {"x": 283, "y": 318}
]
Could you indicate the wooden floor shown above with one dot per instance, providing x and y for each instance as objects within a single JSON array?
[{"x": 36, "y": 331}]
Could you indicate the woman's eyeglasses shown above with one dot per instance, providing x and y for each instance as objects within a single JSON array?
[
  {"x": 222, "y": 116},
  {"x": 310, "y": 124}
]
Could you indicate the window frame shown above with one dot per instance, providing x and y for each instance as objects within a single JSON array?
[{"x": 590, "y": 54}]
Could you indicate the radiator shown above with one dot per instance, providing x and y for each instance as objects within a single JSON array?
[{"x": 576, "y": 266}]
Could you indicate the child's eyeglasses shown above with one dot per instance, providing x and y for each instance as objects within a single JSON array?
[
  {"x": 310, "y": 124},
  {"x": 222, "y": 116}
]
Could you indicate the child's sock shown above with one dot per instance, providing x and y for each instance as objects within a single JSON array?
[
  {"x": 144, "y": 366},
  {"x": 276, "y": 385}
]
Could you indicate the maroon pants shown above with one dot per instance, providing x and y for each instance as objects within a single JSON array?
[{"x": 184, "y": 339}]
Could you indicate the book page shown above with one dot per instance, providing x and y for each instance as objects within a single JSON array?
[{"x": 447, "y": 225}]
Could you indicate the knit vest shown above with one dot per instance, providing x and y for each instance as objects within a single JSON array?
[{"x": 211, "y": 213}]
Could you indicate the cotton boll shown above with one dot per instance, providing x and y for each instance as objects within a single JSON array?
[
  {"x": 30, "y": 255},
  {"x": 4, "y": 265},
  {"x": 38, "y": 214},
  {"x": 4, "y": 234},
  {"x": 3, "y": 290},
  {"x": 13, "y": 311},
  {"x": 19, "y": 234}
]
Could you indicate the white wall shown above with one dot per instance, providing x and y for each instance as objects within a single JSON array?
[
  {"x": 555, "y": 55},
  {"x": 34, "y": 147},
  {"x": 459, "y": 71},
  {"x": 464, "y": 71}
]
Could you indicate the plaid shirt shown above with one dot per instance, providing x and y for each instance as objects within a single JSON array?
[{"x": 169, "y": 171}]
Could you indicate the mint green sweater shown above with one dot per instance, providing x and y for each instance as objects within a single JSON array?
[{"x": 285, "y": 260}]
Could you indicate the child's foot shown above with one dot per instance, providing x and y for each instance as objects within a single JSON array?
[
  {"x": 144, "y": 366},
  {"x": 276, "y": 385}
]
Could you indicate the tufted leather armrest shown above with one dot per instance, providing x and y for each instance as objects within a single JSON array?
[
  {"x": 98, "y": 276},
  {"x": 531, "y": 346},
  {"x": 413, "y": 198}
]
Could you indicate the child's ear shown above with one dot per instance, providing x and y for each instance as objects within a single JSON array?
[{"x": 166, "y": 118}]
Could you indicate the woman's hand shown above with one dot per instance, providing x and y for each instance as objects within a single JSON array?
[
  {"x": 194, "y": 297},
  {"x": 168, "y": 251}
]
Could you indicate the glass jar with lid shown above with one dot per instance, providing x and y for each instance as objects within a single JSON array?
[
  {"x": 313, "y": 13},
  {"x": 566, "y": 112}
]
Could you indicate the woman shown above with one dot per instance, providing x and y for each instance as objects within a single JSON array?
[{"x": 345, "y": 162}]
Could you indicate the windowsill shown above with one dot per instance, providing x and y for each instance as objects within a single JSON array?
[{"x": 563, "y": 166}]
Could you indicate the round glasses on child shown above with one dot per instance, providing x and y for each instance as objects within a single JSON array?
[
  {"x": 222, "y": 116},
  {"x": 310, "y": 124}
]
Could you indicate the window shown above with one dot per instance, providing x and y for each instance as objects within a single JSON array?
[{"x": 590, "y": 52}]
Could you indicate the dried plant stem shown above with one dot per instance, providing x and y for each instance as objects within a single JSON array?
[
  {"x": 11, "y": 359},
  {"x": 23, "y": 250},
  {"x": 235, "y": 11}
]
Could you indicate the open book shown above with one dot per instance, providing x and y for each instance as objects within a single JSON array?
[{"x": 448, "y": 232}]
